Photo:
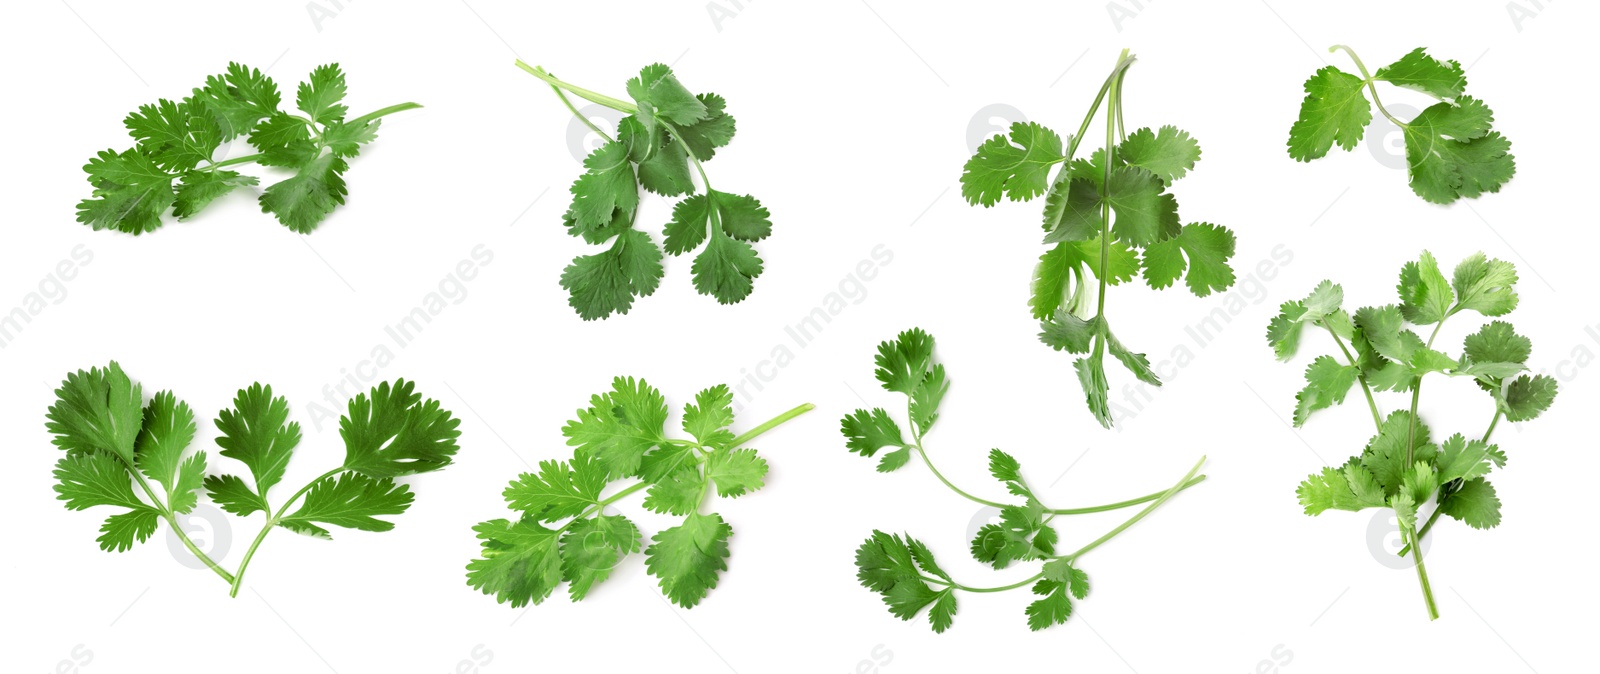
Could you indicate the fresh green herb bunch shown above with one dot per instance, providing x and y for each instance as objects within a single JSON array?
[
  {"x": 1451, "y": 149},
  {"x": 667, "y": 129},
  {"x": 1401, "y": 467},
  {"x": 1109, "y": 214},
  {"x": 902, "y": 568},
  {"x": 622, "y": 436},
  {"x": 117, "y": 445},
  {"x": 171, "y": 165}
]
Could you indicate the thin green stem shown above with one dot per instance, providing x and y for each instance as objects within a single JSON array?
[
  {"x": 1422, "y": 577},
  {"x": 1448, "y": 490},
  {"x": 172, "y": 520},
  {"x": 382, "y": 112},
  {"x": 947, "y": 483},
  {"x": 1001, "y": 588},
  {"x": 772, "y": 423},
  {"x": 1372, "y": 404},
  {"x": 1372, "y": 85},
  {"x": 1112, "y": 106},
  {"x": 272, "y": 522},
  {"x": 1140, "y": 515},
  {"x": 1124, "y": 504},
  {"x": 580, "y": 92},
  {"x": 1492, "y": 423}
]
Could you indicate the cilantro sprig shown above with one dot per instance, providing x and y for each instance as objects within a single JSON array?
[
  {"x": 667, "y": 130},
  {"x": 903, "y": 569},
  {"x": 1402, "y": 468},
  {"x": 1452, "y": 150},
  {"x": 1110, "y": 214},
  {"x": 134, "y": 456},
  {"x": 621, "y": 440},
  {"x": 171, "y": 166}
]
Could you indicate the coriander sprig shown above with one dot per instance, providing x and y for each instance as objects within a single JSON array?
[
  {"x": 667, "y": 130},
  {"x": 114, "y": 441},
  {"x": 1110, "y": 215},
  {"x": 620, "y": 437},
  {"x": 1451, "y": 149},
  {"x": 172, "y": 164},
  {"x": 902, "y": 568},
  {"x": 1401, "y": 468}
]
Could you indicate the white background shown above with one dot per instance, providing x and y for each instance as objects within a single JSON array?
[{"x": 854, "y": 121}]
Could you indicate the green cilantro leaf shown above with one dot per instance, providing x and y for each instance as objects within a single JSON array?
[
  {"x": 239, "y": 99},
  {"x": 1425, "y": 294},
  {"x": 736, "y": 472},
  {"x": 1421, "y": 72},
  {"x": 1475, "y": 504},
  {"x": 176, "y": 142},
  {"x": 688, "y": 558},
  {"x": 1528, "y": 396},
  {"x": 1145, "y": 213},
  {"x": 349, "y": 500},
  {"x": 592, "y": 547},
  {"x": 302, "y": 202},
  {"x": 1017, "y": 167},
  {"x": 1452, "y": 153},
  {"x": 558, "y": 491},
  {"x": 1169, "y": 154},
  {"x": 667, "y": 129},
  {"x": 606, "y": 283},
  {"x": 168, "y": 430},
  {"x": 257, "y": 432},
  {"x": 97, "y": 409},
  {"x": 1334, "y": 111},
  {"x": 394, "y": 432},
  {"x": 1208, "y": 249},
  {"x": 520, "y": 562},
  {"x": 113, "y": 444},
  {"x": 710, "y": 416},
  {"x": 1486, "y": 286},
  {"x": 320, "y": 97},
  {"x": 1327, "y": 383},
  {"x": 1451, "y": 149}
]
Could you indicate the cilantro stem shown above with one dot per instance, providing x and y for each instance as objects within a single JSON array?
[
  {"x": 172, "y": 521},
  {"x": 1372, "y": 84},
  {"x": 1160, "y": 498},
  {"x": 580, "y": 92},
  {"x": 1372, "y": 404},
  {"x": 382, "y": 112},
  {"x": 1448, "y": 490},
  {"x": 1180, "y": 486},
  {"x": 771, "y": 424},
  {"x": 1001, "y": 588},
  {"x": 272, "y": 521},
  {"x": 1422, "y": 577},
  {"x": 916, "y": 443}
]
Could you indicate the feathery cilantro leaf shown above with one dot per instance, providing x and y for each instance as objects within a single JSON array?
[
  {"x": 1400, "y": 467},
  {"x": 902, "y": 569},
  {"x": 135, "y": 456},
  {"x": 176, "y": 142},
  {"x": 1451, "y": 149},
  {"x": 1109, "y": 213},
  {"x": 620, "y": 447},
  {"x": 661, "y": 144}
]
